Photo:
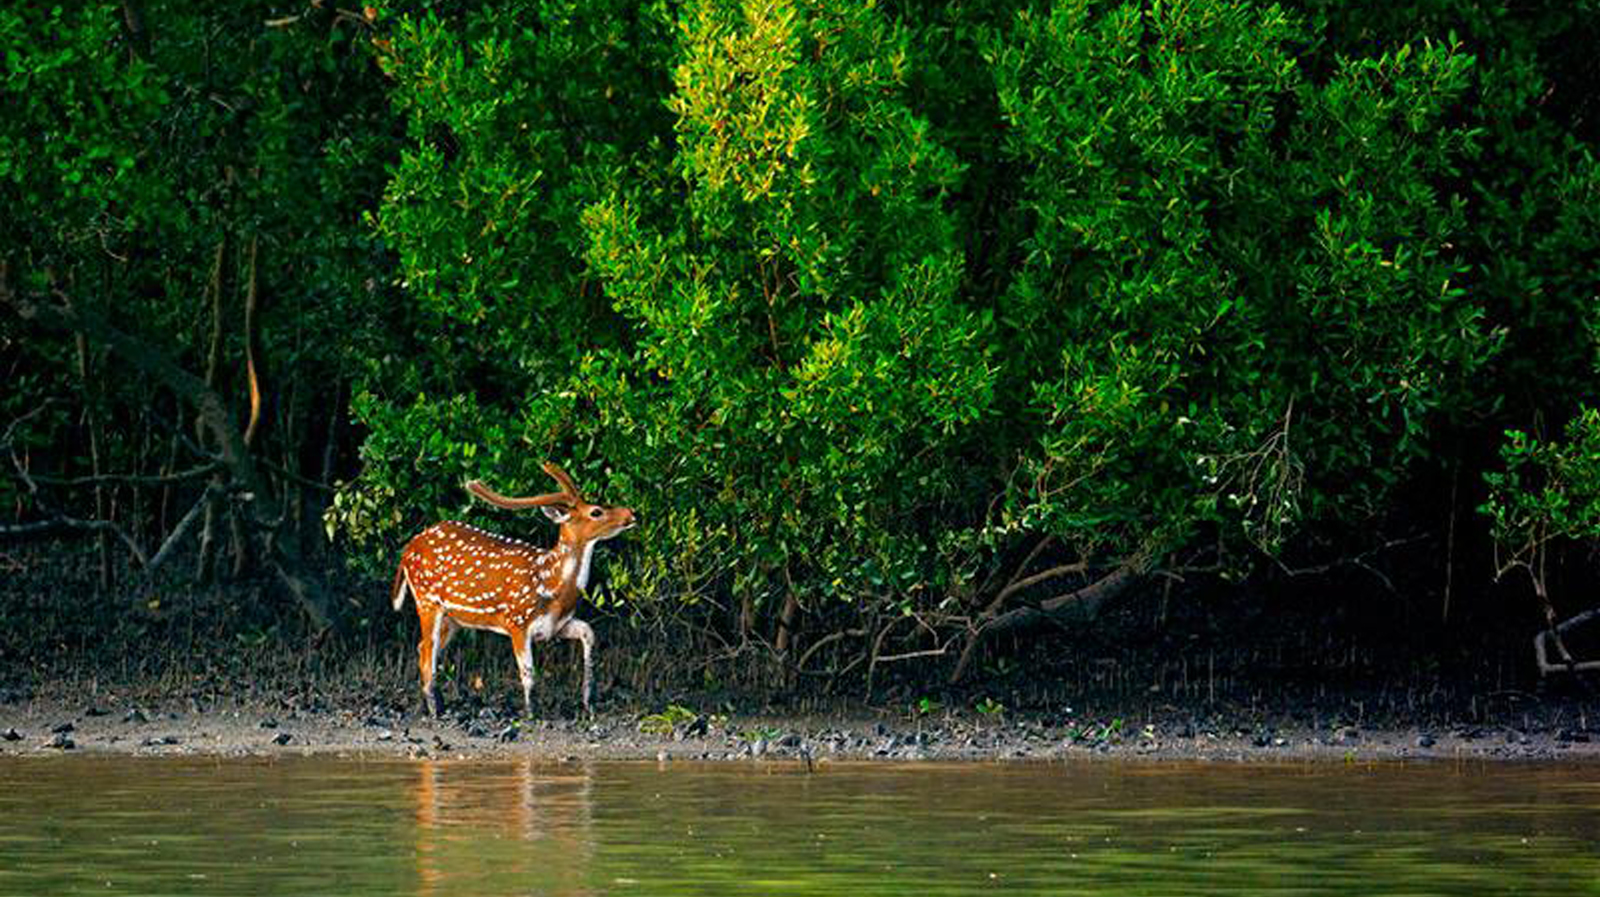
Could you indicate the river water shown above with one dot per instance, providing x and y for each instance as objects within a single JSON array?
[{"x": 133, "y": 825}]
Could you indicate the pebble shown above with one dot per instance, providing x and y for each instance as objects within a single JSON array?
[
  {"x": 136, "y": 716},
  {"x": 61, "y": 742},
  {"x": 61, "y": 728},
  {"x": 281, "y": 738},
  {"x": 12, "y": 734},
  {"x": 1425, "y": 741}
]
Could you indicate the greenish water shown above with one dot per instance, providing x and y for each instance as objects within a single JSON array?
[{"x": 120, "y": 825}]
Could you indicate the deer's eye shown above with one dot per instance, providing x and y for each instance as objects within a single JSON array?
[{"x": 597, "y": 513}]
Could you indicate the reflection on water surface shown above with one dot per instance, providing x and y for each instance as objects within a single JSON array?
[{"x": 121, "y": 825}]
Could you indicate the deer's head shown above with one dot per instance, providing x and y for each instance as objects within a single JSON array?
[{"x": 580, "y": 521}]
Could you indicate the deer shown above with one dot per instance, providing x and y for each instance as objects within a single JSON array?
[{"x": 460, "y": 576}]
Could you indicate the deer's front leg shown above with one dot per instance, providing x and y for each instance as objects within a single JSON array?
[{"x": 579, "y": 631}]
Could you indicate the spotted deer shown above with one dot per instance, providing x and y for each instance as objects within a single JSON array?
[{"x": 461, "y": 576}]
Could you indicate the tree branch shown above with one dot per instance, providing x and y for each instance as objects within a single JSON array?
[
  {"x": 179, "y": 531},
  {"x": 61, "y": 521}
]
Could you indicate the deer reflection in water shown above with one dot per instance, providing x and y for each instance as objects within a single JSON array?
[{"x": 511, "y": 827}]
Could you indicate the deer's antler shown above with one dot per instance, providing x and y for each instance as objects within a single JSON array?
[
  {"x": 568, "y": 495},
  {"x": 476, "y": 487},
  {"x": 561, "y": 477}
]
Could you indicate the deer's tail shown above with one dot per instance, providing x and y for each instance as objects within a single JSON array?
[{"x": 397, "y": 591}]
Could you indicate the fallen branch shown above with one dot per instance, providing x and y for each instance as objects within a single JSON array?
[
  {"x": 1567, "y": 662},
  {"x": 1086, "y": 600}
]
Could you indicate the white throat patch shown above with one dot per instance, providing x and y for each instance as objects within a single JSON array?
[{"x": 577, "y": 568}]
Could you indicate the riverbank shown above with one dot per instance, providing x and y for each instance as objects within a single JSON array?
[{"x": 1552, "y": 730}]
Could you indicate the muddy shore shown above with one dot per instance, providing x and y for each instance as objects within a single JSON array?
[{"x": 151, "y": 728}]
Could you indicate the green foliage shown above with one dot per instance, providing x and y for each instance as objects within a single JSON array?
[
  {"x": 1549, "y": 492},
  {"x": 203, "y": 154},
  {"x": 851, "y": 305},
  {"x": 854, "y": 305},
  {"x": 1236, "y": 306},
  {"x": 783, "y": 329}
]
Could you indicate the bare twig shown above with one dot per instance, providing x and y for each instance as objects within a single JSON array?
[
  {"x": 130, "y": 479},
  {"x": 1035, "y": 579},
  {"x": 295, "y": 478},
  {"x": 824, "y": 641},
  {"x": 1359, "y": 560}
]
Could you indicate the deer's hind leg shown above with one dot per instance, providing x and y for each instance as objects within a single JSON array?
[
  {"x": 437, "y": 628},
  {"x": 522, "y": 645}
]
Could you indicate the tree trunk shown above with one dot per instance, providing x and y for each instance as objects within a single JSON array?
[{"x": 786, "y": 616}]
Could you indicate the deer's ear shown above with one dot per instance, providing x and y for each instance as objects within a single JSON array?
[{"x": 557, "y": 513}]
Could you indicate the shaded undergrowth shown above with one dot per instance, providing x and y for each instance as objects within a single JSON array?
[{"x": 1366, "y": 660}]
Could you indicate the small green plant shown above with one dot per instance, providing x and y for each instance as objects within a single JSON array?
[
  {"x": 926, "y": 706},
  {"x": 664, "y": 722},
  {"x": 760, "y": 732},
  {"x": 990, "y": 707}
]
